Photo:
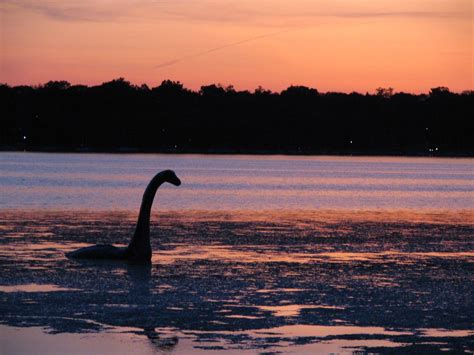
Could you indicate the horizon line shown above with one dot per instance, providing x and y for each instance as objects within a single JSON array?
[{"x": 225, "y": 87}]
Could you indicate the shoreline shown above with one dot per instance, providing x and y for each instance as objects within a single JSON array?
[{"x": 233, "y": 152}]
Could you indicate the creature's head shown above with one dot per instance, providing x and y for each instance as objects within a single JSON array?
[{"x": 170, "y": 176}]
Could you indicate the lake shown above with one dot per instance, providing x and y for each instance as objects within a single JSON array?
[
  {"x": 116, "y": 182},
  {"x": 251, "y": 254}
]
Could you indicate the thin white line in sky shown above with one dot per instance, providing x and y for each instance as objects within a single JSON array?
[{"x": 215, "y": 49}]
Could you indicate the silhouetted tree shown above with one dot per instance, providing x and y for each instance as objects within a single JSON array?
[
  {"x": 384, "y": 92},
  {"x": 118, "y": 115}
]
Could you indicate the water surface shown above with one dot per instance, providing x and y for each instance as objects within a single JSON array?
[
  {"x": 108, "y": 181},
  {"x": 251, "y": 255}
]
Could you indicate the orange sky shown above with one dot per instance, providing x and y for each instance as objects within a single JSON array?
[{"x": 332, "y": 45}]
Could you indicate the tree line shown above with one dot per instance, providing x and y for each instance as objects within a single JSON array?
[{"x": 120, "y": 116}]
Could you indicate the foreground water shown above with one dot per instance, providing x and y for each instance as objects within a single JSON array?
[{"x": 291, "y": 255}]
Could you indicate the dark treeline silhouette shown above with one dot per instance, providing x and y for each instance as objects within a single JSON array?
[{"x": 119, "y": 116}]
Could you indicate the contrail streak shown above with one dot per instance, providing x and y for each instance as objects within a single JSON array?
[{"x": 215, "y": 49}]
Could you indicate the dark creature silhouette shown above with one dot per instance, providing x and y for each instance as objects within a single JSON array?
[{"x": 139, "y": 249}]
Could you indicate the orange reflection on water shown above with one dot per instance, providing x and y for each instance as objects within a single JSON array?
[
  {"x": 305, "y": 217},
  {"x": 35, "y": 288},
  {"x": 227, "y": 253},
  {"x": 213, "y": 252},
  {"x": 302, "y": 330},
  {"x": 446, "y": 333},
  {"x": 292, "y": 310}
]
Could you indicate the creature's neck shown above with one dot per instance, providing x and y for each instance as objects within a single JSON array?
[{"x": 139, "y": 247}]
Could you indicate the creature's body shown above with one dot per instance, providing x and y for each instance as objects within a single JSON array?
[
  {"x": 100, "y": 251},
  {"x": 139, "y": 249}
]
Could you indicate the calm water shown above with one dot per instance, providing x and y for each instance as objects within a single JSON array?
[{"x": 108, "y": 181}]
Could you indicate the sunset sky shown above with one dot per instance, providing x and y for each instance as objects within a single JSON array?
[{"x": 332, "y": 45}]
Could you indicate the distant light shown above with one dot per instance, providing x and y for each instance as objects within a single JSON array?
[
  {"x": 24, "y": 137},
  {"x": 351, "y": 142},
  {"x": 426, "y": 128},
  {"x": 436, "y": 148}
]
